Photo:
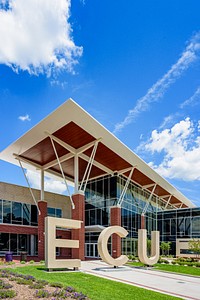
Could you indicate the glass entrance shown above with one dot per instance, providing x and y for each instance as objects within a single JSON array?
[{"x": 91, "y": 250}]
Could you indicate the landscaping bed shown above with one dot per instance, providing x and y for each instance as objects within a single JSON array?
[
  {"x": 93, "y": 287},
  {"x": 19, "y": 286}
]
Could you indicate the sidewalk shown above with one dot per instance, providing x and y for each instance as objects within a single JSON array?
[{"x": 182, "y": 286}]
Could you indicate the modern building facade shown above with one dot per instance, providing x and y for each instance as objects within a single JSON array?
[{"x": 112, "y": 186}]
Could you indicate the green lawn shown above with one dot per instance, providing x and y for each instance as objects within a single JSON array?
[
  {"x": 95, "y": 288},
  {"x": 171, "y": 268},
  {"x": 179, "y": 269}
]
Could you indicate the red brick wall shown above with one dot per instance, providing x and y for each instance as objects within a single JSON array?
[
  {"x": 18, "y": 229},
  {"x": 64, "y": 252},
  {"x": 79, "y": 234},
  {"x": 143, "y": 222},
  {"x": 115, "y": 219},
  {"x": 41, "y": 228}
]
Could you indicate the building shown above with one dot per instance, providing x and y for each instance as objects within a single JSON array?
[{"x": 112, "y": 186}]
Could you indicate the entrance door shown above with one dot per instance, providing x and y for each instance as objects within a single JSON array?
[{"x": 91, "y": 250}]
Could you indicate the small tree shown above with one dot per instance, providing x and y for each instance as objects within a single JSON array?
[
  {"x": 194, "y": 245},
  {"x": 165, "y": 247}
]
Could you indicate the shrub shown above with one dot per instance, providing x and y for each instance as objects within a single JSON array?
[
  {"x": 4, "y": 285},
  {"x": 28, "y": 277},
  {"x": 56, "y": 284},
  {"x": 42, "y": 262},
  {"x": 197, "y": 264},
  {"x": 181, "y": 259},
  {"x": 44, "y": 282},
  {"x": 7, "y": 294},
  {"x": 31, "y": 261},
  {"x": 42, "y": 294},
  {"x": 69, "y": 289},
  {"x": 78, "y": 296},
  {"x": 22, "y": 262},
  {"x": 24, "y": 281},
  {"x": 162, "y": 260},
  {"x": 36, "y": 286}
]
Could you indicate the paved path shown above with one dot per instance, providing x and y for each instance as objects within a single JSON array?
[{"x": 185, "y": 287}]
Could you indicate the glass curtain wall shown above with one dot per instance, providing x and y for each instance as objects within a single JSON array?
[
  {"x": 16, "y": 243},
  {"x": 18, "y": 213},
  {"x": 180, "y": 223},
  {"x": 103, "y": 193}
]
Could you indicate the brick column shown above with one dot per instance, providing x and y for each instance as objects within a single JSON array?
[
  {"x": 143, "y": 221},
  {"x": 41, "y": 228},
  {"x": 79, "y": 234},
  {"x": 115, "y": 220}
]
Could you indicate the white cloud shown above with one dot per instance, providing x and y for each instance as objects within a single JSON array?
[
  {"x": 193, "y": 100},
  {"x": 189, "y": 55},
  {"x": 24, "y": 118},
  {"x": 36, "y": 36},
  {"x": 50, "y": 185},
  {"x": 180, "y": 146},
  {"x": 58, "y": 83}
]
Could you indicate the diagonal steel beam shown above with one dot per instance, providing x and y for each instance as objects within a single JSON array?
[{"x": 55, "y": 162}]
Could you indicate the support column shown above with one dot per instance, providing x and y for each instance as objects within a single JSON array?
[
  {"x": 79, "y": 234},
  {"x": 41, "y": 228},
  {"x": 143, "y": 221},
  {"x": 115, "y": 220}
]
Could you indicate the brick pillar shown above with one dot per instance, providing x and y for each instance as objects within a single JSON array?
[
  {"x": 79, "y": 234},
  {"x": 115, "y": 219},
  {"x": 41, "y": 228},
  {"x": 143, "y": 225}
]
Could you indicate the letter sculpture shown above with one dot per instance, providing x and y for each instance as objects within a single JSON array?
[
  {"x": 51, "y": 243},
  {"x": 142, "y": 247},
  {"x": 103, "y": 245}
]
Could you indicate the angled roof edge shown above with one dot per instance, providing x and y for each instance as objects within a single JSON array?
[{"x": 71, "y": 111}]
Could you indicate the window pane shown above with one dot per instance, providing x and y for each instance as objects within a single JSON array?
[
  {"x": 51, "y": 212},
  {"x": 13, "y": 243},
  {"x": 6, "y": 211},
  {"x": 22, "y": 242},
  {"x": 34, "y": 215},
  {"x": 4, "y": 242},
  {"x": 26, "y": 214},
  {"x": 58, "y": 213},
  {"x": 16, "y": 213},
  {"x": 196, "y": 225}
]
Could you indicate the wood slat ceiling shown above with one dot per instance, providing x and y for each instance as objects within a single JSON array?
[{"x": 43, "y": 153}]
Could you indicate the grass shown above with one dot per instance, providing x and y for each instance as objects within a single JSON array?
[
  {"x": 179, "y": 269},
  {"x": 171, "y": 268},
  {"x": 95, "y": 288}
]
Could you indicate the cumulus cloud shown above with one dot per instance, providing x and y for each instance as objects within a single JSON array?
[
  {"x": 157, "y": 91},
  {"x": 36, "y": 36},
  {"x": 24, "y": 118},
  {"x": 180, "y": 145},
  {"x": 50, "y": 185}
]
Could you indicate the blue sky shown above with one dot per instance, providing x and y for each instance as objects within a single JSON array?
[{"x": 133, "y": 65}]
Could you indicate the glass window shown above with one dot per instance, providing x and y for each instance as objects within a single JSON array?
[
  {"x": 4, "y": 242},
  {"x": 58, "y": 213},
  {"x": 26, "y": 214},
  {"x": 196, "y": 225},
  {"x": 51, "y": 212},
  {"x": 24, "y": 243},
  {"x": 16, "y": 213},
  {"x": 34, "y": 215},
  {"x": 13, "y": 243},
  {"x": 6, "y": 211}
]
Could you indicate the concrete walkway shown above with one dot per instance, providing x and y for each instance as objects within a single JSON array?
[{"x": 182, "y": 286}]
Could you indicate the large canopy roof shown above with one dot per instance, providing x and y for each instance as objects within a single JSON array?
[{"x": 74, "y": 133}]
